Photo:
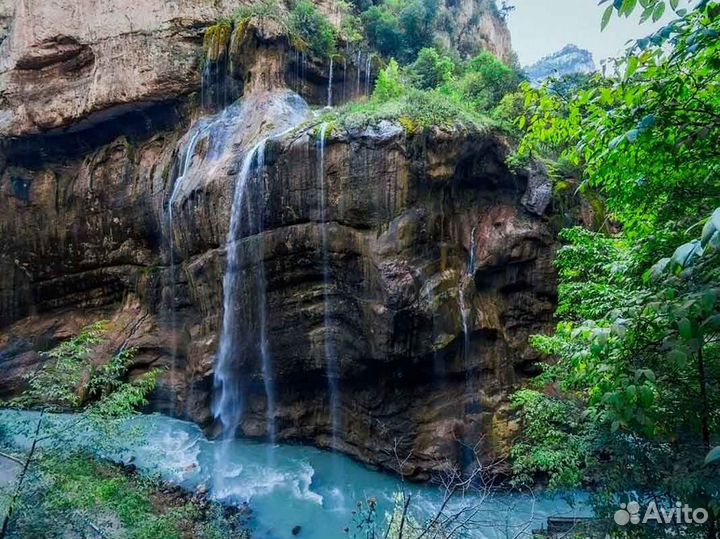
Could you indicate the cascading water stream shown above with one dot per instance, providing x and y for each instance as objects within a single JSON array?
[
  {"x": 330, "y": 355},
  {"x": 465, "y": 317},
  {"x": 185, "y": 167},
  {"x": 368, "y": 68},
  {"x": 465, "y": 310},
  {"x": 344, "y": 81},
  {"x": 261, "y": 286},
  {"x": 244, "y": 333},
  {"x": 227, "y": 407},
  {"x": 471, "y": 257},
  {"x": 330, "y": 85},
  {"x": 357, "y": 90}
]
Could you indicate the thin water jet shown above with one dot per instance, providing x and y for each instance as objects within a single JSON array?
[
  {"x": 330, "y": 85},
  {"x": 266, "y": 359},
  {"x": 331, "y": 366},
  {"x": 177, "y": 187}
]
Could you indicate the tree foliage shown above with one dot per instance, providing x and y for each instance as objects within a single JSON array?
[
  {"x": 636, "y": 375},
  {"x": 401, "y": 28},
  {"x": 70, "y": 380},
  {"x": 313, "y": 28}
]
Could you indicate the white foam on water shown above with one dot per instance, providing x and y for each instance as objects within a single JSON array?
[{"x": 300, "y": 488}]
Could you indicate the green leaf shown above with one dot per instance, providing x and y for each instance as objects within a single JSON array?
[
  {"x": 645, "y": 396},
  {"x": 712, "y": 456},
  {"x": 627, "y": 7},
  {"x": 685, "y": 328},
  {"x": 713, "y": 243},
  {"x": 712, "y": 324},
  {"x": 632, "y": 135},
  {"x": 710, "y": 227},
  {"x": 606, "y": 17},
  {"x": 686, "y": 254},
  {"x": 632, "y": 66},
  {"x": 659, "y": 11},
  {"x": 678, "y": 357}
]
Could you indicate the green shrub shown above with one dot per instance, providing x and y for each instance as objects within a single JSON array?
[
  {"x": 417, "y": 19},
  {"x": 268, "y": 9},
  {"x": 431, "y": 70},
  {"x": 487, "y": 80},
  {"x": 313, "y": 28},
  {"x": 414, "y": 109},
  {"x": 383, "y": 30},
  {"x": 401, "y": 28},
  {"x": 351, "y": 25},
  {"x": 389, "y": 84}
]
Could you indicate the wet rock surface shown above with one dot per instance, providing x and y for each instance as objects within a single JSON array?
[
  {"x": 419, "y": 259},
  {"x": 412, "y": 224}
]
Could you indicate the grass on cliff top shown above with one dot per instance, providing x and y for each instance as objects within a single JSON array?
[{"x": 415, "y": 110}]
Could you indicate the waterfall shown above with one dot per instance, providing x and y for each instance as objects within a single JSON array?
[
  {"x": 330, "y": 83},
  {"x": 330, "y": 357},
  {"x": 465, "y": 310},
  {"x": 303, "y": 69},
  {"x": 228, "y": 404},
  {"x": 261, "y": 285},
  {"x": 368, "y": 69},
  {"x": 185, "y": 166},
  {"x": 473, "y": 246},
  {"x": 344, "y": 81},
  {"x": 357, "y": 91},
  {"x": 465, "y": 317}
]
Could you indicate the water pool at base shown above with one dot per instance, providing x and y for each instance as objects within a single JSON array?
[{"x": 286, "y": 486}]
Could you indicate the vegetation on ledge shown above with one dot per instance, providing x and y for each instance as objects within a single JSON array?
[{"x": 434, "y": 91}]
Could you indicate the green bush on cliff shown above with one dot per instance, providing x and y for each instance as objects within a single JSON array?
[
  {"x": 400, "y": 28},
  {"x": 313, "y": 29},
  {"x": 431, "y": 69},
  {"x": 414, "y": 109},
  {"x": 265, "y": 9},
  {"x": 433, "y": 91},
  {"x": 389, "y": 84}
]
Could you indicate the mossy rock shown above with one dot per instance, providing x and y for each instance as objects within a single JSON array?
[{"x": 217, "y": 39}]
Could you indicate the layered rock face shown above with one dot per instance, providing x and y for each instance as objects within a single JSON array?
[
  {"x": 418, "y": 259},
  {"x": 473, "y": 26}
]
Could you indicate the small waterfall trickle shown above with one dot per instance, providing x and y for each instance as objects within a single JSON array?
[
  {"x": 464, "y": 282},
  {"x": 344, "y": 81},
  {"x": 368, "y": 69},
  {"x": 261, "y": 286},
  {"x": 465, "y": 317},
  {"x": 331, "y": 365},
  {"x": 330, "y": 84},
  {"x": 357, "y": 90},
  {"x": 473, "y": 247},
  {"x": 177, "y": 187},
  {"x": 303, "y": 69}
]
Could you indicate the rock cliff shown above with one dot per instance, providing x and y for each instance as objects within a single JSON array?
[
  {"x": 570, "y": 60},
  {"x": 418, "y": 258}
]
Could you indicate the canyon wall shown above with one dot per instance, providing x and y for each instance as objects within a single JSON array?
[{"x": 417, "y": 257}]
